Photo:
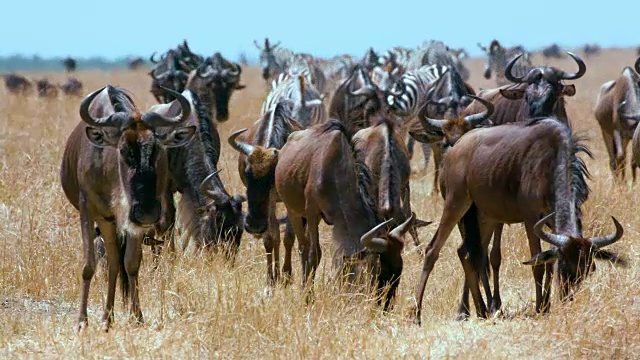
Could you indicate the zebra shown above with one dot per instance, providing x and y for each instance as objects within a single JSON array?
[
  {"x": 274, "y": 59},
  {"x": 408, "y": 95},
  {"x": 335, "y": 70},
  {"x": 437, "y": 53},
  {"x": 398, "y": 57},
  {"x": 306, "y": 64},
  {"x": 293, "y": 90},
  {"x": 498, "y": 57}
]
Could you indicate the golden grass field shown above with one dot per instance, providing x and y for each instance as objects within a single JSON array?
[{"x": 195, "y": 305}]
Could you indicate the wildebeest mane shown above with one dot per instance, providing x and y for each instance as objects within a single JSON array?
[{"x": 207, "y": 132}]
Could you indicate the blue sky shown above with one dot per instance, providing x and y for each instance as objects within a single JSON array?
[{"x": 115, "y": 28}]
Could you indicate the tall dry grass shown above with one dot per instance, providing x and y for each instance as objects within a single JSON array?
[{"x": 195, "y": 305}]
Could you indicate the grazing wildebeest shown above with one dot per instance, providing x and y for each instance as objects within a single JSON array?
[
  {"x": 114, "y": 172},
  {"x": 591, "y": 49},
  {"x": 498, "y": 57},
  {"x": 46, "y": 89},
  {"x": 214, "y": 82},
  {"x": 319, "y": 177},
  {"x": 256, "y": 166},
  {"x": 515, "y": 173},
  {"x": 135, "y": 63},
  {"x": 69, "y": 64},
  {"x": 552, "y": 51},
  {"x": 73, "y": 86},
  {"x": 274, "y": 59},
  {"x": 383, "y": 150},
  {"x": 617, "y": 102},
  {"x": 208, "y": 213},
  {"x": 17, "y": 84}
]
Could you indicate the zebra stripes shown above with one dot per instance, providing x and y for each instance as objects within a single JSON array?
[
  {"x": 498, "y": 57},
  {"x": 408, "y": 96},
  {"x": 308, "y": 105}
]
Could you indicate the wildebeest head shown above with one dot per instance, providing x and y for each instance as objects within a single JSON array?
[
  {"x": 451, "y": 129},
  {"x": 46, "y": 88},
  {"x": 545, "y": 86},
  {"x": 267, "y": 57},
  {"x": 222, "y": 215},
  {"x": 140, "y": 140},
  {"x": 216, "y": 81},
  {"x": 574, "y": 255},
  {"x": 259, "y": 172}
]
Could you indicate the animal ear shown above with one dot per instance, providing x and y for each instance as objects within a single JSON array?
[
  {"x": 569, "y": 90},
  {"x": 608, "y": 255},
  {"x": 294, "y": 123},
  {"x": 512, "y": 94},
  {"x": 178, "y": 137},
  {"x": 240, "y": 86},
  {"x": 544, "y": 257},
  {"x": 100, "y": 138},
  {"x": 377, "y": 245},
  {"x": 423, "y": 137}
]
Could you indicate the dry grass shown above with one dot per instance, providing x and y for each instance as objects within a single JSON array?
[{"x": 197, "y": 306}]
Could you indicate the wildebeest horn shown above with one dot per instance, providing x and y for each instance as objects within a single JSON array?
[
  {"x": 582, "y": 68},
  {"x": 157, "y": 120},
  {"x": 553, "y": 239},
  {"x": 476, "y": 119},
  {"x": 602, "y": 241},
  {"x": 637, "y": 65},
  {"x": 255, "y": 42},
  {"x": 207, "y": 73},
  {"x": 482, "y": 47},
  {"x": 402, "y": 229},
  {"x": 507, "y": 70},
  {"x": 236, "y": 70},
  {"x": 367, "y": 239},
  {"x": 152, "y": 58},
  {"x": 207, "y": 180},
  {"x": 365, "y": 90},
  {"x": 109, "y": 120},
  {"x": 242, "y": 147}
]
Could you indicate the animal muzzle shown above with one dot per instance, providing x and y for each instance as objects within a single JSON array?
[
  {"x": 255, "y": 227},
  {"x": 222, "y": 115},
  {"x": 265, "y": 73},
  {"x": 145, "y": 215}
]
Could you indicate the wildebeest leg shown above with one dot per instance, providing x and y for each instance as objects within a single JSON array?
[
  {"x": 456, "y": 205},
  {"x": 634, "y": 166},
  {"x": 315, "y": 253},
  {"x": 410, "y": 144},
  {"x": 89, "y": 257},
  {"x": 611, "y": 151},
  {"x": 272, "y": 245},
  {"x": 289, "y": 239},
  {"x": 437, "y": 160},
  {"x": 132, "y": 259},
  {"x": 538, "y": 270},
  {"x": 112, "y": 246},
  {"x": 405, "y": 195},
  {"x": 619, "y": 148},
  {"x": 496, "y": 260},
  {"x": 426, "y": 153},
  {"x": 303, "y": 244}
]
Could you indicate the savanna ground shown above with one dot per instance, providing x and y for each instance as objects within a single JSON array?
[{"x": 195, "y": 305}]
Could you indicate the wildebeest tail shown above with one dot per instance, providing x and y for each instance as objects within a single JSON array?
[
  {"x": 471, "y": 239},
  {"x": 124, "y": 277}
]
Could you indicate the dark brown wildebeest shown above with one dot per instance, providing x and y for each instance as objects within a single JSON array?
[
  {"x": 383, "y": 150},
  {"x": 319, "y": 177},
  {"x": 256, "y": 166},
  {"x": 73, "y": 87},
  {"x": 517, "y": 173},
  {"x": 617, "y": 102},
  {"x": 135, "y": 63},
  {"x": 17, "y": 84},
  {"x": 114, "y": 172},
  {"x": 69, "y": 64},
  {"x": 46, "y": 89},
  {"x": 591, "y": 49},
  {"x": 208, "y": 213},
  {"x": 552, "y": 51}
]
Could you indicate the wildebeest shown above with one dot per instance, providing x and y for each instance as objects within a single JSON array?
[
  {"x": 72, "y": 86},
  {"x": 17, "y": 84},
  {"x": 552, "y": 51},
  {"x": 46, "y": 88},
  {"x": 274, "y": 59},
  {"x": 168, "y": 74},
  {"x": 515, "y": 173},
  {"x": 435, "y": 52},
  {"x": 208, "y": 213},
  {"x": 135, "y": 63},
  {"x": 69, "y": 64},
  {"x": 498, "y": 57},
  {"x": 319, "y": 177},
  {"x": 616, "y": 105},
  {"x": 256, "y": 165},
  {"x": 114, "y": 172},
  {"x": 591, "y": 49}
]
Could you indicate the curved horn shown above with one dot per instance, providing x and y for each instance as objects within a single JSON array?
[
  {"x": 637, "y": 65},
  {"x": 507, "y": 70},
  {"x": 402, "y": 229},
  {"x": 152, "y": 58},
  {"x": 236, "y": 70},
  {"x": 87, "y": 118},
  {"x": 255, "y": 42},
  {"x": 204, "y": 182},
  {"x": 207, "y": 74},
  {"x": 553, "y": 239},
  {"x": 157, "y": 120},
  {"x": 582, "y": 68},
  {"x": 602, "y": 241},
  {"x": 365, "y": 90},
  {"x": 241, "y": 147},
  {"x": 476, "y": 119},
  {"x": 368, "y": 237}
]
